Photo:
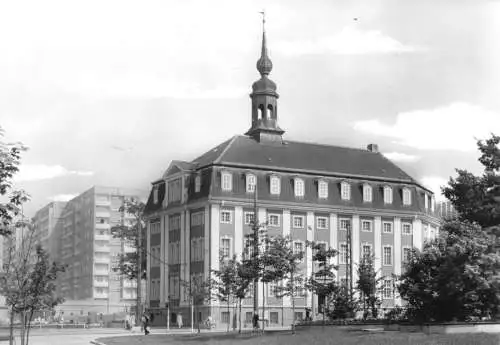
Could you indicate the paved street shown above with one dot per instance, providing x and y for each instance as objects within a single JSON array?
[{"x": 67, "y": 336}]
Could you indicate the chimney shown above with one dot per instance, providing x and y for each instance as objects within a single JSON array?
[{"x": 372, "y": 148}]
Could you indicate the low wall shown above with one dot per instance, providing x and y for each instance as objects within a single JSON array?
[{"x": 446, "y": 328}]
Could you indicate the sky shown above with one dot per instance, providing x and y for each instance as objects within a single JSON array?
[{"x": 109, "y": 92}]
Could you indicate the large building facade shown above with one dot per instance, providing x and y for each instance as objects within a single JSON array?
[
  {"x": 84, "y": 242},
  {"x": 201, "y": 208}
]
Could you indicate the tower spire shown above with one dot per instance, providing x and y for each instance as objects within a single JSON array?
[
  {"x": 264, "y": 99},
  {"x": 264, "y": 64}
]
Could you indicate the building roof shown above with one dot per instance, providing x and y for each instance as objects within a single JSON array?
[{"x": 303, "y": 157}]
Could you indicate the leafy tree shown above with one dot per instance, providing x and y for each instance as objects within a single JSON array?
[
  {"x": 242, "y": 287},
  {"x": 322, "y": 280},
  {"x": 477, "y": 198},
  {"x": 454, "y": 277},
  {"x": 368, "y": 284},
  {"x": 198, "y": 290},
  {"x": 134, "y": 235},
  {"x": 286, "y": 262},
  {"x": 12, "y": 200},
  {"x": 29, "y": 280},
  {"x": 344, "y": 304}
]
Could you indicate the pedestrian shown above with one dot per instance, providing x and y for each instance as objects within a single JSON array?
[
  {"x": 179, "y": 320},
  {"x": 145, "y": 323},
  {"x": 255, "y": 321}
]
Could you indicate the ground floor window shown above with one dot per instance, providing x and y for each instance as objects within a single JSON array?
[
  {"x": 273, "y": 317},
  {"x": 248, "y": 317},
  {"x": 299, "y": 316},
  {"x": 224, "y": 317}
]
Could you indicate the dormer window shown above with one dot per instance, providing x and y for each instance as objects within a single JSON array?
[
  {"x": 367, "y": 193},
  {"x": 227, "y": 181},
  {"x": 323, "y": 189},
  {"x": 426, "y": 201},
  {"x": 299, "y": 187},
  {"x": 251, "y": 183},
  {"x": 275, "y": 185},
  {"x": 387, "y": 195},
  {"x": 155, "y": 194},
  {"x": 197, "y": 183},
  {"x": 406, "y": 196},
  {"x": 345, "y": 191}
]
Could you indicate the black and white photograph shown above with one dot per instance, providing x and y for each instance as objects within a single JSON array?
[{"x": 249, "y": 171}]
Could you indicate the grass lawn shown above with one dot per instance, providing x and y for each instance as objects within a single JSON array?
[{"x": 313, "y": 335}]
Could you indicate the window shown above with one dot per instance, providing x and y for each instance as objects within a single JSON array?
[
  {"x": 298, "y": 222},
  {"x": 345, "y": 191},
  {"x": 227, "y": 181},
  {"x": 225, "y": 216},
  {"x": 175, "y": 190},
  {"x": 275, "y": 185},
  {"x": 298, "y": 247},
  {"x": 248, "y": 317},
  {"x": 321, "y": 222},
  {"x": 343, "y": 253},
  {"x": 225, "y": 247},
  {"x": 323, "y": 189},
  {"x": 273, "y": 317},
  {"x": 273, "y": 289},
  {"x": 197, "y": 219},
  {"x": 366, "y": 225},
  {"x": 426, "y": 201},
  {"x": 197, "y": 184},
  {"x": 366, "y": 251},
  {"x": 224, "y": 317},
  {"x": 155, "y": 227},
  {"x": 274, "y": 220},
  {"x": 387, "y": 255},
  {"x": 345, "y": 224},
  {"x": 406, "y": 255},
  {"x": 387, "y": 227},
  {"x": 387, "y": 195},
  {"x": 155, "y": 194},
  {"x": 251, "y": 183},
  {"x": 249, "y": 218},
  {"x": 299, "y": 187},
  {"x": 406, "y": 196},
  {"x": 367, "y": 193},
  {"x": 387, "y": 289},
  {"x": 248, "y": 250},
  {"x": 406, "y": 228}
]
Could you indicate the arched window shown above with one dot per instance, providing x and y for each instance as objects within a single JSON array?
[
  {"x": 260, "y": 112},
  {"x": 270, "y": 111}
]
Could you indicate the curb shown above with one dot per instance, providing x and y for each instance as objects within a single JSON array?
[{"x": 95, "y": 342}]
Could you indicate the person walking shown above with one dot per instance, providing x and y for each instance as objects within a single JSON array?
[
  {"x": 145, "y": 323},
  {"x": 179, "y": 320}
]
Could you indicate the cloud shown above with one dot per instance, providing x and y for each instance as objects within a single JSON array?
[
  {"x": 401, "y": 157},
  {"x": 62, "y": 197},
  {"x": 37, "y": 172},
  {"x": 349, "y": 41},
  {"x": 434, "y": 183},
  {"x": 452, "y": 127}
]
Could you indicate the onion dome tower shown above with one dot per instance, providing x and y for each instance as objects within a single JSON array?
[{"x": 264, "y": 101}]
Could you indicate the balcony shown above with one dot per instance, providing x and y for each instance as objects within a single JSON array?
[
  {"x": 102, "y": 237},
  {"x": 98, "y": 283},
  {"x": 129, "y": 283}
]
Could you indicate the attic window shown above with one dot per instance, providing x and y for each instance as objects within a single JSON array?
[
  {"x": 227, "y": 181},
  {"x": 406, "y": 196},
  {"x": 155, "y": 194},
  {"x": 322, "y": 189},
  {"x": 197, "y": 183},
  {"x": 275, "y": 185},
  {"x": 345, "y": 191},
  {"x": 251, "y": 183},
  {"x": 387, "y": 195},
  {"x": 299, "y": 187}
]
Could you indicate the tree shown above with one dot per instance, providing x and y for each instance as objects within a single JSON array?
[
  {"x": 133, "y": 234},
  {"x": 454, "y": 277},
  {"x": 476, "y": 198},
  {"x": 225, "y": 282},
  {"x": 286, "y": 263},
  {"x": 29, "y": 281},
  {"x": 322, "y": 280},
  {"x": 242, "y": 287},
  {"x": 368, "y": 284},
  {"x": 10, "y": 158},
  {"x": 198, "y": 290}
]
